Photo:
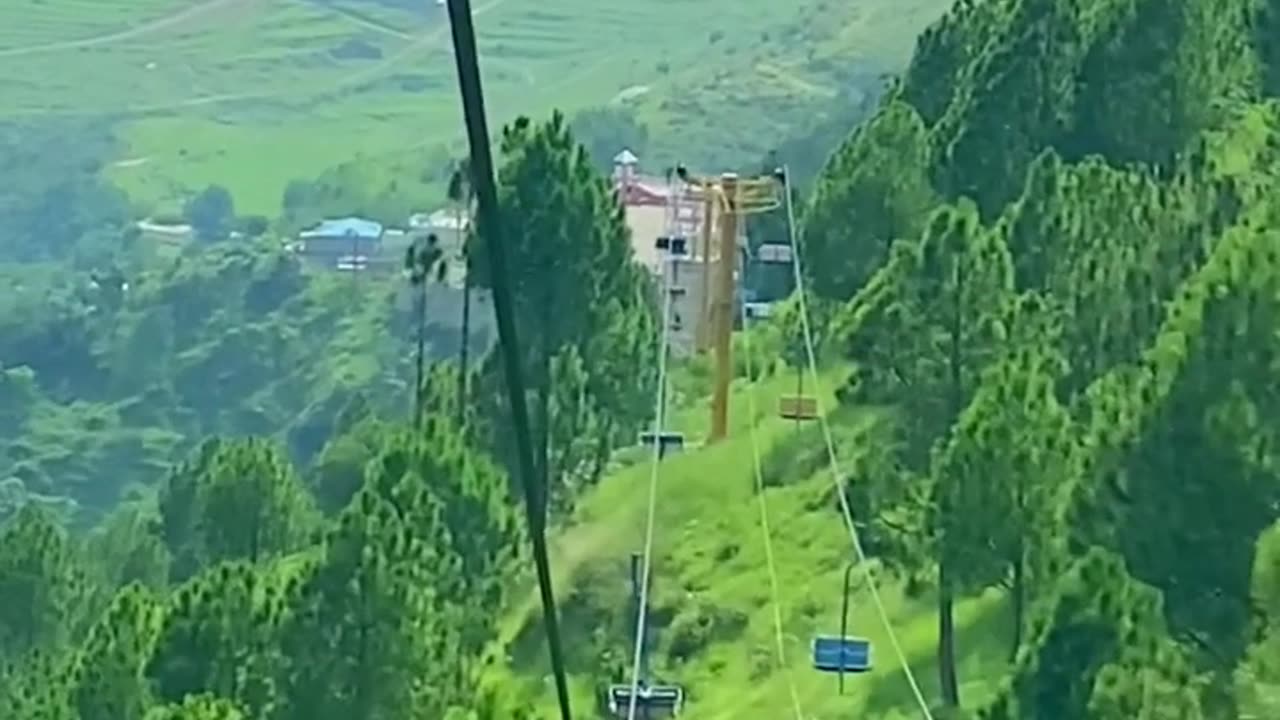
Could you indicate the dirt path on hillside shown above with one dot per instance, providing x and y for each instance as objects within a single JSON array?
[
  {"x": 357, "y": 19},
  {"x": 167, "y": 22},
  {"x": 391, "y": 61}
]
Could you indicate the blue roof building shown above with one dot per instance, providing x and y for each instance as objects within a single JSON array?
[
  {"x": 348, "y": 228},
  {"x": 349, "y": 243}
]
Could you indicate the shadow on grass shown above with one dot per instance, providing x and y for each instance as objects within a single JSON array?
[{"x": 982, "y": 649}]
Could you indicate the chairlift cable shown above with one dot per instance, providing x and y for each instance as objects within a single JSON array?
[
  {"x": 659, "y": 427},
  {"x": 469, "y": 85},
  {"x": 763, "y": 502},
  {"x": 838, "y": 476}
]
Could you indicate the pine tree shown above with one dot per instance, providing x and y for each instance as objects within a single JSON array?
[
  {"x": 235, "y": 500},
  {"x": 461, "y": 194},
  {"x": 42, "y": 584},
  {"x": 424, "y": 262},
  {"x": 389, "y": 618},
  {"x": 1098, "y": 649},
  {"x": 932, "y": 324},
  {"x": 218, "y": 636},
  {"x": 107, "y": 681},
  {"x": 1005, "y": 466},
  {"x": 1189, "y": 480},
  {"x": 875, "y": 190},
  {"x": 364, "y": 639},
  {"x": 572, "y": 276}
]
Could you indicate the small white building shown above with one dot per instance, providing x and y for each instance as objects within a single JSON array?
[
  {"x": 346, "y": 244},
  {"x": 449, "y": 225}
]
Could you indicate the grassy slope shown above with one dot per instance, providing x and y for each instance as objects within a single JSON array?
[
  {"x": 247, "y": 93},
  {"x": 710, "y": 553}
]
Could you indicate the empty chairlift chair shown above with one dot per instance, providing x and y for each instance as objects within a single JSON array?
[
  {"x": 797, "y": 407},
  {"x": 652, "y": 701},
  {"x": 668, "y": 441},
  {"x": 774, "y": 253},
  {"x": 842, "y": 654}
]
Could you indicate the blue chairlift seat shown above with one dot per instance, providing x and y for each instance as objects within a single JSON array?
[
  {"x": 835, "y": 654},
  {"x": 652, "y": 701}
]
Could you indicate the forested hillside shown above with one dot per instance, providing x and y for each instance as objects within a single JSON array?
[
  {"x": 112, "y": 373},
  {"x": 1056, "y": 250},
  {"x": 1050, "y": 260},
  {"x": 1045, "y": 280},
  {"x": 349, "y": 567}
]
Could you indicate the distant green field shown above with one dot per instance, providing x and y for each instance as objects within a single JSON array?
[
  {"x": 253, "y": 93},
  {"x": 710, "y": 567}
]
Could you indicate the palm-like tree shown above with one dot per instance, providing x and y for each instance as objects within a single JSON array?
[
  {"x": 423, "y": 261},
  {"x": 460, "y": 194}
]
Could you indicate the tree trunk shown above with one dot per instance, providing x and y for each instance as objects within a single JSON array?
[
  {"x": 464, "y": 348},
  {"x": 947, "y": 641},
  {"x": 601, "y": 460},
  {"x": 1019, "y": 599},
  {"x": 946, "y": 591},
  {"x": 549, "y": 346},
  {"x": 543, "y": 449},
  {"x": 1018, "y": 586},
  {"x": 567, "y": 458},
  {"x": 417, "y": 385}
]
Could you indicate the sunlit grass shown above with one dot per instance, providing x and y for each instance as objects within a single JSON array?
[{"x": 709, "y": 552}]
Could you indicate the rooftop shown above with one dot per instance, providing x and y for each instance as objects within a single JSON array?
[
  {"x": 345, "y": 227},
  {"x": 446, "y": 219}
]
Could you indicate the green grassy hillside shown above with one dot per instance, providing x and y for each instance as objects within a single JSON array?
[
  {"x": 252, "y": 94},
  {"x": 711, "y": 592}
]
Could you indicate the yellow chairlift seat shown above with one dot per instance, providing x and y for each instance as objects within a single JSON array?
[{"x": 797, "y": 407}]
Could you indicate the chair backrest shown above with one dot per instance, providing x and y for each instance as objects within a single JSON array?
[
  {"x": 774, "y": 253},
  {"x": 655, "y": 701},
  {"x": 797, "y": 407},
  {"x": 836, "y": 654},
  {"x": 668, "y": 439}
]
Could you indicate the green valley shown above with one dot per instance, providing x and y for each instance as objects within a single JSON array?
[
  {"x": 252, "y": 94},
  {"x": 1020, "y": 257}
]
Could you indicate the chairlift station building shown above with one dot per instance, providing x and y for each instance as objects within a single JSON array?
[{"x": 656, "y": 208}]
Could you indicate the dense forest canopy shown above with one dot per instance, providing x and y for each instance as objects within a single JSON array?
[
  {"x": 1055, "y": 250},
  {"x": 1046, "y": 270}
]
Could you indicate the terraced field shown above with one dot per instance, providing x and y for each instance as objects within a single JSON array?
[{"x": 253, "y": 93}]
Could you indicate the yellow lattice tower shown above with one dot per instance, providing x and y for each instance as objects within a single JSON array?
[{"x": 725, "y": 198}]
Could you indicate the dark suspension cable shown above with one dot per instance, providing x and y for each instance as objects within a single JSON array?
[{"x": 464, "y": 51}]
